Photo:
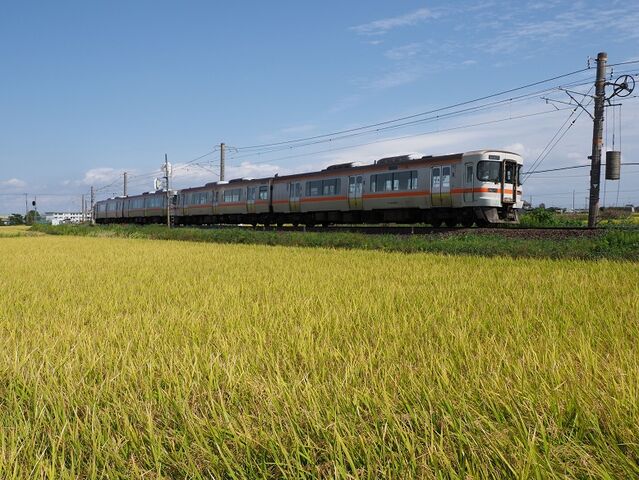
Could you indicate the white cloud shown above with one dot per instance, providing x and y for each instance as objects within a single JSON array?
[
  {"x": 403, "y": 52},
  {"x": 563, "y": 25},
  {"x": 256, "y": 170},
  {"x": 395, "y": 78},
  {"x": 98, "y": 176},
  {"x": 379, "y": 27},
  {"x": 14, "y": 183}
]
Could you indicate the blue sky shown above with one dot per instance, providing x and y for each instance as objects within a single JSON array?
[{"x": 91, "y": 89}]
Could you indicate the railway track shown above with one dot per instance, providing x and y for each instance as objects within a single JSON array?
[{"x": 504, "y": 231}]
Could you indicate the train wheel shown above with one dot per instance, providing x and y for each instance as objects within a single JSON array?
[
  {"x": 296, "y": 224},
  {"x": 451, "y": 222},
  {"x": 467, "y": 222},
  {"x": 436, "y": 223}
]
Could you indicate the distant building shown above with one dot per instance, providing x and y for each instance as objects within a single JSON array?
[
  {"x": 58, "y": 218},
  {"x": 4, "y": 219}
]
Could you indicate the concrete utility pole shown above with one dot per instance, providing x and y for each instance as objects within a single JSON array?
[
  {"x": 222, "y": 148},
  {"x": 125, "y": 182},
  {"x": 92, "y": 206},
  {"x": 597, "y": 139},
  {"x": 168, "y": 191},
  {"x": 83, "y": 210},
  {"x": 26, "y": 205}
]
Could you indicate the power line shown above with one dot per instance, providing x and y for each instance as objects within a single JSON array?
[
  {"x": 622, "y": 63},
  {"x": 435, "y": 118},
  {"x": 408, "y": 117},
  {"x": 572, "y": 167},
  {"x": 549, "y": 148},
  {"x": 479, "y": 124}
]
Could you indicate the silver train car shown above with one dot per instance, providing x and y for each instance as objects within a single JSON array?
[{"x": 479, "y": 187}]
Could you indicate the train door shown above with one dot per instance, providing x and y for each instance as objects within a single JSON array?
[
  {"x": 355, "y": 189},
  {"x": 250, "y": 199},
  {"x": 216, "y": 200},
  {"x": 509, "y": 181},
  {"x": 469, "y": 175},
  {"x": 435, "y": 186},
  {"x": 294, "y": 195},
  {"x": 446, "y": 199}
]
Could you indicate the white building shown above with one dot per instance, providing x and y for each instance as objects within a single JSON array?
[{"x": 57, "y": 218}]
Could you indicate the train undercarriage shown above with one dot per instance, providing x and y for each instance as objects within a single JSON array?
[{"x": 467, "y": 217}]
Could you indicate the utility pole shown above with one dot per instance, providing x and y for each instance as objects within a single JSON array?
[
  {"x": 92, "y": 206},
  {"x": 597, "y": 139},
  {"x": 168, "y": 191},
  {"x": 83, "y": 210},
  {"x": 26, "y": 205},
  {"x": 125, "y": 182},
  {"x": 573, "y": 200},
  {"x": 222, "y": 147}
]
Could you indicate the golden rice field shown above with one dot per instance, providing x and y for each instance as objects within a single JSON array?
[{"x": 128, "y": 358}]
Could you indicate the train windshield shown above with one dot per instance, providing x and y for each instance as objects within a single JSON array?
[{"x": 489, "y": 171}]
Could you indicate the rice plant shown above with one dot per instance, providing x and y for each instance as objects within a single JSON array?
[{"x": 134, "y": 358}]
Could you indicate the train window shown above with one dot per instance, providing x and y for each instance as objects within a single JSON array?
[
  {"x": 234, "y": 195},
  {"x": 263, "y": 195},
  {"x": 314, "y": 188},
  {"x": 509, "y": 173},
  {"x": 331, "y": 187},
  {"x": 519, "y": 174},
  {"x": 250, "y": 193},
  {"x": 402, "y": 181},
  {"x": 436, "y": 179},
  {"x": 469, "y": 173},
  {"x": 445, "y": 177},
  {"x": 373, "y": 186},
  {"x": 383, "y": 182},
  {"x": 488, "y": 171},
  {"x": 413, "y": 180},
  {"x": 291, "y": 190}
]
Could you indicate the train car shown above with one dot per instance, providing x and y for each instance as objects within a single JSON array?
[
  {"x": 476, "y": 187},
  {"x": 194, "y": 206},
  {"x": 481, "y": 187},
  {"x": 99, "y": 211}
]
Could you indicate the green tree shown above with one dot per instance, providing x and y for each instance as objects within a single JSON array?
[
  {"x": 16, "y": 219},
  {"x": 32, "y": 217}
]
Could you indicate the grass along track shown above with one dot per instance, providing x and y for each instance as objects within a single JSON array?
[
  {"x": 622, "y": 244},
  {"x": 124, "y": 358}
]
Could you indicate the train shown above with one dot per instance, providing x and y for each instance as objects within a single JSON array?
[{"x": 480, "y": 187}]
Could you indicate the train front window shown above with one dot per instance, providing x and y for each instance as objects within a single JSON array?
[
  {"x": 509, "y": 176},
  {"x": 489, "y": 171}
]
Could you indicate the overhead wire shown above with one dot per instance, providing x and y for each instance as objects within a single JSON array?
[
  {"x": 478, "y": 124},
  {"x": 408, "y": 117},
  {"x": 557, "y": 137}
]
